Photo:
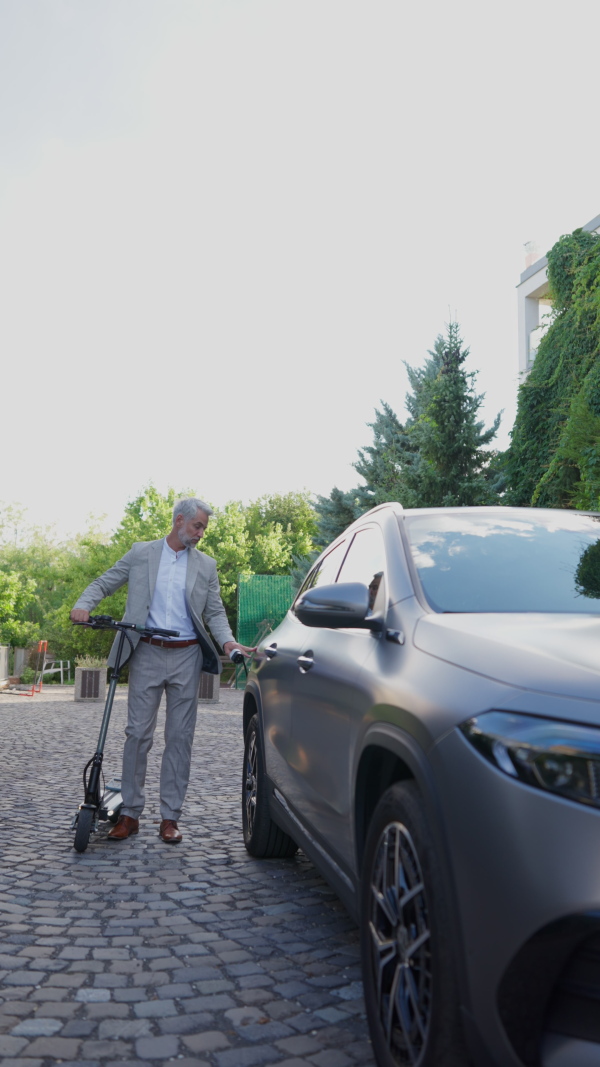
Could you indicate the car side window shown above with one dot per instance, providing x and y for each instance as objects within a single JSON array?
[
  {"x": 326, "y": 571},
  {"x": 365, "y": 562}
]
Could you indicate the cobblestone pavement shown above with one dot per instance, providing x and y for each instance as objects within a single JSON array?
[{"x": 138, "y": 951}]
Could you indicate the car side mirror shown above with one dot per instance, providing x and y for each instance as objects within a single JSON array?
[{"x": 338, "y": 606}]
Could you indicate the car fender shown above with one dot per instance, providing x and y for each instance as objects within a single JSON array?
[
  {"x": 401, "y": 744},
  {"x": 252, "y": 690}
]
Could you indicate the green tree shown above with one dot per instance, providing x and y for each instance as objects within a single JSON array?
[
  {"x": 335, "y": 512},
  {"x": 447, "y": 465},
  {"x": 147, "y": 517},
  {"x": 293, "y": 513},
  {"x": 554, "y": 456},
  {"x": 16, "y": 593},
  {"x": 227, "y": 540},
  {"x": 271, "y": 535},
  {"x": 438, "y": 457}
]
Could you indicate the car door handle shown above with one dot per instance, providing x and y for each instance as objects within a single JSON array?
[
  {"x": 305, "y": 662},
  {"x": 271, "y": 651}
]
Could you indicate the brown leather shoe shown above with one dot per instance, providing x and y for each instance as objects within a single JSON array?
[
  {"x": 169, "y": 832},
  {"x": 123, "y": 828}
]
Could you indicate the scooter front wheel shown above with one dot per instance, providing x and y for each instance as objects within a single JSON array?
[{"x": 84, "y": 829}]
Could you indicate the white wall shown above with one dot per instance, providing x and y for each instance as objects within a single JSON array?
[{"x": 533, "y": 304}]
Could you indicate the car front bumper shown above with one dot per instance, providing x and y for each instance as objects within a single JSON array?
[{"x": 525, "y": 868}]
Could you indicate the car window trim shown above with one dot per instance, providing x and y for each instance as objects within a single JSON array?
[
  {"x": 386, "y": 584},
  {"x": 316, "y": 566}
]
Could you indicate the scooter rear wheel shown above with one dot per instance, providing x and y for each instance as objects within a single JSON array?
[{"x": 84, "y": 829}]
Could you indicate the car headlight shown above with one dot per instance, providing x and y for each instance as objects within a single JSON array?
[{"x": 560, "y": 757}]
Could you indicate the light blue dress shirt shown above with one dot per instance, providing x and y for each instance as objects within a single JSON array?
[{"x": 169, "y": 609}]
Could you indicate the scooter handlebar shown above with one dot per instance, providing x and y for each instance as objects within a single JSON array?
[{"x": 106, "y": 622}]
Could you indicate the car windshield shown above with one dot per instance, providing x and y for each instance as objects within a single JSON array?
[{"x": 472, "y": 561}]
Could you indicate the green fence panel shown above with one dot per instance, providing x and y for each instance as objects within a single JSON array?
[{"x": 263, "y": 600}]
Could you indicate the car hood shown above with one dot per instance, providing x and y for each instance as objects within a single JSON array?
[{"x": 557, "y": 654}]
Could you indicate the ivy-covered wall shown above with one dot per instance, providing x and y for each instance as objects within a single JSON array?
[{"x": 554, "y": 457}]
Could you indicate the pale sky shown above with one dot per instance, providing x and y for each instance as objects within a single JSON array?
[{"x": 224, "y": 224}]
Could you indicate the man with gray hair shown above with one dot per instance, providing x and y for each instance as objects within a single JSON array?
[{"x": 172, "y": 587}]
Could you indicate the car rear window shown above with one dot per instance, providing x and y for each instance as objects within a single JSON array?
[{"x": 472, "y": 561}]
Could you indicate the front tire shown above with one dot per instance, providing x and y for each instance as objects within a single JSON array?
[
  {"x": 262, "y": 837},
  {"x": 84, "y": 829},
  {"x": 408, "y": 976}
]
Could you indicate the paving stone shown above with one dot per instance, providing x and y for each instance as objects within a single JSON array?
[
  {"x": 155, "y": 1009},
  {"x": 255, "y": 996},
  {"x": 186, "y": 1024},
  {"x": 293, "y": 1062},
  {"x": 38, "y": 1027},
  {"x": 219, "y": 985},
  {"x": 299, "y": 1045},
  {"x": 110, "y": 1010},
  {"x": 92, "y": 995},
  {"x": 20, "y": 1007},
  {"x": 243, "y": 1016},
  {"x": 17, "y": 1061},
  {"x": 157, "y": 1048},
  {"x": 360, "y": 1051},
  {"x": 190, "y": 1061},
  {"x": 247, "y": 1057},
  {"x": 208, "y": 1041},
  {"x": 11, "y": 1046},
  {"x": 291, "y": 989},
  {"x": 129, "y": 996},
  {"x": 210, "y": 1003},
  {"x": 331, "y": 1015},
  {"x": 124, "y": 1028},
  {"x": 78, "y": 1028},
  {"x": 177, "y": 990},
  {"x": 330, "y": 1057},
  {"x": 60, "y": 1048},
  {"x": 305, "y": 1022},
  {"x": 154, "y": 979},
  {"x": 99, "y": 1050},
  {"x": 177, "y": 940},
  {"x": 264, "y": 1030},
  {"x": 24, "y": 978},
  {"x": 54, "y": 1010}
]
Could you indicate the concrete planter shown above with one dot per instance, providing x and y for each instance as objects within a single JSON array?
[
  {"x": 90, "y": 684},
  {"x": 210, "y": 686}
]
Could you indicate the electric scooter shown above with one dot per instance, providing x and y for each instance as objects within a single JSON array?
[{"x": 106, "y": 803}]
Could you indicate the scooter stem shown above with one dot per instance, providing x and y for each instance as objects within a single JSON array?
[{"x": 110, "y": 696}]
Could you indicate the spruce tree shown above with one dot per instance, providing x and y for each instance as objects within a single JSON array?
[
  {"x": 449, "y": 460},
  {"x": 438, "y": 457},
  {"x": 335, "y": 512}
]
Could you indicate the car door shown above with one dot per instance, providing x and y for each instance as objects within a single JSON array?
[
  {"x": 280, "y": 677},
  {"x": 331, "y": 698}
]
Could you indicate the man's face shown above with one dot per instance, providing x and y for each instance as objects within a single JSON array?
[{"x": 190, "y": 531}]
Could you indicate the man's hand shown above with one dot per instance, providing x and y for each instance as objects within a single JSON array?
[
  {"x": 229, "y": 646},
  {"x": 79, "y": 615}
]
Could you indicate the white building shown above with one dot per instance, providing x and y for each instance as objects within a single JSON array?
[{"x": 532, "y": 294}]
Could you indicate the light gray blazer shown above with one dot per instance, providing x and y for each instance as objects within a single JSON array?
[{"x": 139, "y": 567}]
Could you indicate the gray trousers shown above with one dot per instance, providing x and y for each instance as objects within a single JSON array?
[{"x": 152, "y": 671}]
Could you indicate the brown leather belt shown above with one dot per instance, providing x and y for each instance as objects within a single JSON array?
[{"x": 169, "y": 644}]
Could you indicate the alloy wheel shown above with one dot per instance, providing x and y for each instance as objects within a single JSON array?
[
  {"x": 400, "y": 943},
  {"x": 250, "y": 783}
]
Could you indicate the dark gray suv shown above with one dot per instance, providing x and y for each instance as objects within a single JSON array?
[{"x": 425, "y": 725}]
